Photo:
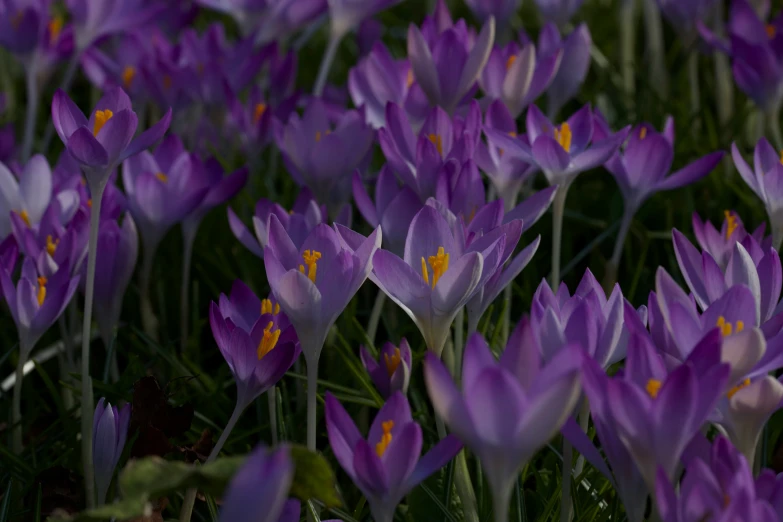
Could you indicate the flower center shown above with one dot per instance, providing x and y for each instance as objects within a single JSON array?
[
  {"x": 167, "y": 82},
  {"x": 642, "y": 133},
  {"x": 409, "y": 79},
  {"x": 41, "y": 290},
  {"x": 510, "y": 61},
  {"x": 101, "y": 117},
  {"x": 439, "y": 264},
  {"x": 128, "y": 73},
  {"x": 25, "y": 217},
  {"x": 258, "y": 112},
  {"x": 269, "y": 341},
  {"x": 311, "y": 259},
  {"x": 737, "y": 388},
  {"x": 771, "y": 31},
  {"x": 392, "y": 362},
  {"x": 563, "y": 136},
  {"x": 386, "y": 438},
  {"x": 437, "y": 141},
  {"x": 731, "y": 223},
  {"x": 55, "y": 28},
  {"x": 653, "y": 387},
  {"x": 727, "y": 328},
  {"x": 319, "y": 135},
  {"x": 51, "y": 246},
  {"x": 162, "y": 177},
  {"x": 267, "y": 308}
]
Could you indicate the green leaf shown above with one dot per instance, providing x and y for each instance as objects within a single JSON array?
[
  {"x": 122, "y": 510},
  {"x": 313, "y": 478}
]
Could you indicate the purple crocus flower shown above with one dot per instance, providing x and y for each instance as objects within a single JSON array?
[
  {"x": 93, "y": 21},
  {"x": 28, "y": 197},
  {"x": 346, "y": 15},
  {"x": 438, "y": 273},
  {"x": 314, "y": 282},
  {"x": 101, "y": 143},
  {"x": 388, "y": 464},
  {"x": 574, "y": 63},
  {"x": 515, "y": 76},
  {"x": 509, "y": 408},
  {"x": 500, "y": 10},
  {"x": 298, "y": 223},
  {"x": 561, "y": 152},
  {"x": 589, "y": 319},
  {"x": 164, "y": 188},
  {"x": 419, "y": 159},
  {"x": 447, "y": 68},
  {"x": 391, "y": 372},
  {"x": 642, "y": 167},
  {"x": 256, "y": 340},
  {"x": 718, "y": 487},
  {"x": 764, "y": 179},
  {"x": 269, "y": 20},
  {"x": 655, "y": 412},
  {"x": 321, "y": 152},
  {"x": 559, "y": 12},
  {"x": 506, "y": 172},
  {"x": 684, "y": 16},
  {"x": 393, "y": 209},
  {"x": 118, "y": 249},
  {"x": 9, "y": 253},
  {"x": 720, "y": 243},
  {"x": 109, "y": 432},
  {"x": 259, "y": 490},
  {"x": 36, "y": 301},
  {"x": 22, "y": 24},
  {"x": 121, "y": 66}
]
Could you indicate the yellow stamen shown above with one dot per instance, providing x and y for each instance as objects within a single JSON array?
[
  {"x": 643, "y": 133},
  {"x": 25, "y": 217},
  {"x": 55, "y": 28},
  {"x": 41, "y": 290},
  {"x": 311, "y": 260},
  {"x": 319, "y": 135},
  {"x": 128, "y": 73},
  {"x": 737, "y": 388},
  {"x": 439, "y": 264},
  {"x": 89, "y": 203},
  {"x": 409, "y": 79},
  {"x": 101, "y": 117},
  {"x": 771, "y": 31},
  {"x": 781, "y": 157},
  {"x": 386, "y": 438},
  {"x": 258, "y": 112},
  {"x": 392, "y": 362},
  {"x": 563, "y": 136},
  {"x": 17, "y": 19},
  {"x": 653, "y": 387},
  {"x": 437, "y": 141},
  {"x": 162, "y": 177},
  {"x": 51, "y": 246},
  {"x": 269, "y": 341},
  {"x": 731, "y": 223},
  {"x": 267, "y": 308},
  {"x": 167, "y": 82},
  {"x": 510, "y": 61},
  {"x": 727, "y": 328}
]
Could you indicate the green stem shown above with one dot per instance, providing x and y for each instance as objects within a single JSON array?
[
  {"x": 16, "y": 409},
  {"x": 188, "y": 238},
  {"x": 558, "y": 209},
  {"x": 87, "y": 407},
  {"x": 375, "y": 316},
  {"x": 610, "y": 278},
  {"x": 693, "y": 81},
  {"x": 584, "y": 422},
  {"x": 459, "y": 341},
  {"x": 565, "y": 506},
  {"x": 326, "y": 63},
  {"x": 773, "y": 123},
  {"x": 500, "y": 503},
  {"x": 312, "y": 395},
  {"x": 272, "y": 402},
  {"x": 628, "y": 43},
  {"x": 148, "y": 319},
  {"x": 655, "y": 47},
  {"x": 32, "y": 110}
]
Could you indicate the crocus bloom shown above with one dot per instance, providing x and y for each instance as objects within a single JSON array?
[
  {"x": 558, "y": 11},
  {"x": 346, "y": 15},
  {"x": 36, "y": 302},
  {"x": 101, "y": 143},
  {"x": 563, "y": 151},
  {"x": 588, "y": 319},
  {"x": 447, "y": 69},
  {"x": 514, "y": 75},
  {"x": 509, "y": 408},
  {"x": 437, "y": 275},
  {"x": 109, "y": 432},
  {"x": 322, "y": 156},
  {"x": 500, "y": 10},
  {"x": 642, "y": 167},
  {"x": 720, "y": 243},
  {"x": 391, "y": 372},
  {"x": 29, "y": 197},
  {"x": 388, "y": 464},
  {"x": 418, "y": 159},
  {"x": 163, "y": 188},
  {"x": 764, "y": 179},
  {"x": 270, "y": 20},
  {"x": 299, "y": 222},
  {"x": 314, "y": 282},
  {"x": 118, "y": 249},
  {"x": 684, "y": 16},
  {"x": 393, "y": 209},
  {"x": 93, "y": 21},
  {"x": 9, "y": 253},
  {"x": 259, "y": 490},
  {"x": 718, "y": 487},
  {"x": 256, "y": 340}
]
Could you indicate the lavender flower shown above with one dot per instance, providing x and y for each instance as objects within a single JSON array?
[
  {"x": 109, "y": 432},
  {"x": 391, "y": 373}
]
